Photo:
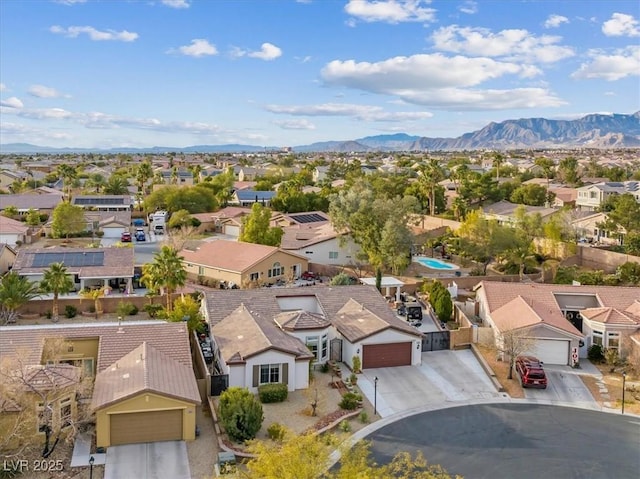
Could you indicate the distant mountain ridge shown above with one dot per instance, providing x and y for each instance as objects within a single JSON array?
[{"x": 590, "y": 131}]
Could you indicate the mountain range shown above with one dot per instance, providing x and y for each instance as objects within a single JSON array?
[{"x": 590, "y": 131}]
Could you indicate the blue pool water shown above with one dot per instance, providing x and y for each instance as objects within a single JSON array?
[{"x": 436, "y": 263}]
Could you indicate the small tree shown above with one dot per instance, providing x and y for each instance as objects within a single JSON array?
[
  {"x": 68, "y": 220},
  {"x": 15, "y": 291},
  {"x": 57, "y": 281},
  {"x": 95, "y": 295},
  {"x": 186, "y": 309},
  {"x": 512, "y": 343},
  {"x": 240, "y": 413}
]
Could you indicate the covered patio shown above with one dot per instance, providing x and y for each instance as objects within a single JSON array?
[{"x": 387, "y": 283}]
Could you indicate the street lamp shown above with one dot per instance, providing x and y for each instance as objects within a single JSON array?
[
  {"x": 375, "y": 396},
  {"x": 91, "y": 461},
  {"x": 624, "y": 380}
]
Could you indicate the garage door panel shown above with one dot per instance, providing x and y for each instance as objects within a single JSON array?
[
  {"x": 386, "y": 355},
  {"x": 130, "y": 428},
  {"x": 551, "y": 351}
]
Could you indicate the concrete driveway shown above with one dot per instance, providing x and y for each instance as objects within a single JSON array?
[
  {"x": 564, "y": 385},
  {"x": 444, "y": 376},
  {"x": 153, "y": 460}
]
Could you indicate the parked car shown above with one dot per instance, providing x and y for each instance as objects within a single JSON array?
[
  {"x": 140, "y": 235},
  {"x": 531, "y": 372},
  {"x": 138, "y": 222},
  {"x": 125, "y": 237},
  {"x": 309, "y": 276},
  {"x": 413, "y": 311}
]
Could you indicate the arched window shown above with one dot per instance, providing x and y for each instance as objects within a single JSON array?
[{"x": 276, "y": 270}]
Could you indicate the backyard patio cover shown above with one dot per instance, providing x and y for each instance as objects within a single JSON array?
[{"x": 387, "y": 282}]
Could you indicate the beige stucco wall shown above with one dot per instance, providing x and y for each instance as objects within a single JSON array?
[{"x": 142, "y": 403}]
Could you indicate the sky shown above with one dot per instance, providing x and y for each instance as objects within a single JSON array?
[{"x": 277, "y": 73}]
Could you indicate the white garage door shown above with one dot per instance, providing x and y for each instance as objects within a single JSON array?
[
  {"x": 551, "y": 351},
  {"x": 232, "y": 230},
  {"x": 114, "y": 232}
]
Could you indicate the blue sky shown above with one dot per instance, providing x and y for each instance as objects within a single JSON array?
[{"x": 101, "y": 74}]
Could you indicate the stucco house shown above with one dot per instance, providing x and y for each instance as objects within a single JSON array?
[
  {"x": 591, "y": 197},
  {"x": 242, "y": 264},
  {"x": 103, "y": 202},
  {"x": 44, "y": 204},
  {"x": 249, "y": 197},
  {"x": 12, "y": 232},
  {"x": 562, "y": 320},
  {"x": 144, "y": 388},
  {"x": 7, "y": 258},
  {"x": 269, "y": 335}
]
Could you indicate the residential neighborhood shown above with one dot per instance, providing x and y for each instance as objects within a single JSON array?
[{"x": 138, "y": 292}]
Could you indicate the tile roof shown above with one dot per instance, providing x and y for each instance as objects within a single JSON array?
[
  {"x": 114, "y": 341},
  {"x": 24, "y": 201},
  {"x": 523, "y": 313},
  {"x": 356, "y": 322},
  {"x": 498, "y": 293},
  {"x": 145, "y": 369},
  {"x": 245, "y": 333},
  {"x": 304, "y": 235},
  {"x": 118, "y": 262},
  {"x": 227, "y": 255},
  {"x": 301, "y": 320},
  {"x": 610, "y": 315},
  {"x": 329, "y": 302},
  {"x": 52, "y": 376},
  {"x": 9, "y": 226}
]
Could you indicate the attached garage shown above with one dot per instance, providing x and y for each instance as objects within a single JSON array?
[
  {"x": 386, "y": 355},
  {"x": 114, "y": 231},
  {"x": 130, "y": 428},
  {"x": 231, "y": 230},
  {"x": 552, "y": 351}
]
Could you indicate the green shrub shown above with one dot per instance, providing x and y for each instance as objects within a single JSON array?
[
  {"x": 126, "y": 309},
  {"x": 356, "y": 363},
  {"x": 70, "y": 311},
  {"x": 324, "y": 368},
  {"x": 275, "y": 392},
  {"x": 48, "y": 314},
  {"x": 350, "y": 401},
  {"x": 153, "y": 309},
  {"x": 345, "y": 426},
  {"x": 240, "y": 413},
  {"x": 364, "y": 417},
  {"x": 595, "y": 353},
  {"x": 276, "y": 432}
]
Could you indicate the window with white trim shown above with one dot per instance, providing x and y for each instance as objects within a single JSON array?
[
  {"x": 613, "y": 340},
  {"x": 312, "y": 344},
  {"x": 597, "y": 338},
  {"x": 276, "y": 270},
  {"x": 269, "y": 373},
  {"x": 333, "y": 255},
  {"x": 254, "y": 276},
  {"x": 325, "y": 348}
]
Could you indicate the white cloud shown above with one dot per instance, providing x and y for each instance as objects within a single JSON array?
[
  {"x": 609, "y": 93},
  {"x": 45, "y": 114},
  {"x": 390, "y": 11},
  {"x": 267, "y": 52},
  {"x": 3, "y": 87},
  {"x": 439, "y": 81},
  {"x": 621, "y": 25},
  {"x": 361, "y": 112},
  {"x": 69, "y": 2},
  {"x": 41, "y": 91},
  {"x": 12, "y": 102},
  {"x": 554, "y": 21},
  {"x": 620, "y": 64},
  {"x": 295, "y": 125},
  {"x": 519, "y": 45},
  {"x": 20, "y": 131},
  {"x": 469, "y": 7},
  {"x": 94, "y": 34},
  {"x": 176, "y": 3},
  {"x": 199, "y": 48}
]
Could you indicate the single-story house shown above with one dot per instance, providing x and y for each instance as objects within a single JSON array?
[
  {"x": 7, "y": 258},
  {"x": 269, "y": 335},
  {"x": 89, "y": 267},
  {"x": 227, "y": 221},
  {"x": 103, "y": 202},
  {"x": 44, "y": 204},
  {"x": 563, "y": 321},
  {"x": 12, "y": 232},
  {"x": 249, "y": 197},
  {"x": 504, "y": 212},
  {"x": 242, "y": 264},
  {"x": 111, "y": 223},
  {"x": 144, "y": 388}
]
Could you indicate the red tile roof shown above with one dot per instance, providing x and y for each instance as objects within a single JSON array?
[{"x": 524, "y": 313}]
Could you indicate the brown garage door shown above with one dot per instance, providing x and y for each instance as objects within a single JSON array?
[
  {"x": 386, "y": 355},
  {"x": 150, "y": 426}
]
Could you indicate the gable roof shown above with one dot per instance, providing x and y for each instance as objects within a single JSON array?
[
  {"x": 523, "y": 312},
  {"x": 302, "y": 235},
  {"x": 114, "y": 341},
  {"x": 235, "y": 256},
  {"x": 9, "y": 226},
  {"x": 610, "y": 315},
  {"x": 357, "y": 322},
  {"x": 26, "y": 201},
  {"x": 145, "y": 369},
  {"x": 244, "y": 333}
]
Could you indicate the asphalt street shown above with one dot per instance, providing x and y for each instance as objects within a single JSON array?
[{"x": 524, "y": 441}]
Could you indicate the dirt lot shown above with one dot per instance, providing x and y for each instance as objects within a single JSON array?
[
  {"x": 613, "y": 395},
  {"x": 501, "y": 368}
]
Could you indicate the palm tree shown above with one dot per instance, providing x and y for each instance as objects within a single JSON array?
[
  {"x": 15, "y": 291},
  {"x": 167, "y": 271},
  {"x": 56, "y": 280},
  {"x": 498, "y": 161},
  {"x": 432, "y": 174},
  {"x": 68, "y": 173},
  {"x": 95, "y": 295},
  {"x": 144, "y": 174},
  {"x": 522, "y": 255},
  {"x": 117, "y": 185}
]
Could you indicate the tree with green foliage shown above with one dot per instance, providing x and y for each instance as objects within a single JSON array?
[
  {"x": 221, "y": 186},
  {"x": 116, "y": 185},
  {"x": 431, "y": 174},
  {"x": 186, "y": 308},
  {"x": 95, "y": 181},
  {"x": 341, "y": 279},
  {"x": 532, "y": 195},
  {"x": 68, "y": 173},
  {"x": 179, "y": 219},
  {"x": 568, "y": 171},
  {"x": 167, "y": 271},
  {"x": 56, "y": 280},
  {"x": 10, "y": 211},
  {"x": 395, "y": 244},
  {"x": 68, "y": 220},
  {"x": 194, "y": 199},
  {"x": 33, "y": 217},
  {"x": 547, "y": 166},
  {"x": 15, "y": 290},
  {"x": 440, "y": 300},
  {"x": 256, "y": 227},
  {"x": 629, "y": 273},
  {"x": 144, "y": 172},
  {"x": 240, "y": 413}
]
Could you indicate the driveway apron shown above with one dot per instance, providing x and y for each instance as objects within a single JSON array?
[{"x": 153, "y": 460}]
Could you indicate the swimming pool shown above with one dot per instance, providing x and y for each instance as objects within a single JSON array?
[{"x": 436, "y": 263}]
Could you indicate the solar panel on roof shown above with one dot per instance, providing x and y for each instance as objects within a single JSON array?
[
  {"x": 308, "y": 218},
  {"x": 99, "y": 201},
  {"x": 73, "y": 259}
]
